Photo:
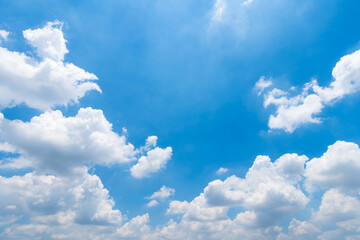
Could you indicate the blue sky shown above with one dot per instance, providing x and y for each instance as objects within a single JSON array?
[{"x": 186, "y": 72}]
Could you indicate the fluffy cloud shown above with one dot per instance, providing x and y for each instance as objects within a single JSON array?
[
  {"x": 58, "y": 144},
  {"x": 298, "y": 230},
  {"x": 48, "y": 41},
  {"x": 268, "y": 189},
  {"x": 45, "y": 83},
  {"x": 135, "y": 229},
  {"x": 154, "y": 161},
  {"x": 48, "y": 199},
  {"x": 60, "y": 199},
  {"x": 163, "y": 193},
  {"x": 198, "y": 210},
  {"x": 292, "y": 112},
  {"x": 271, "y": 192},
  {"x": 346, "y": 75},
  {"x": 337, "y": 207},
  {"x": 338, "y": 167}
]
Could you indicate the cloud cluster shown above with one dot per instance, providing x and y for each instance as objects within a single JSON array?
[
  {"x": 274, "y": 191},
  {"x": 154, "y": 161},
  {"x": 46, "y": 82},
  {"x": 162, "y": 194},
  {"x": 57, "y": 144},
  {"x": 292, "y": 112},
  {"x": 57, "y": 198}
]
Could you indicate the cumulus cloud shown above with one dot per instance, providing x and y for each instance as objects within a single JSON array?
[
  {"x": 154, "y": 161},
  {"x": 338, "y": 167},
  {"x": 292, "y": 112},
  {"x": 337, "y": 207},
  {"x": 48, "y": 41},
  {"x": 268, "y": 189},
  {"x": 272, "y": 192},
  {"x": 298, "y": 230},
  {"x": 198, "y": 210},
  {"x": 43, "y": 83},
  {"x": 163, "y": 193},
  {"x": 58, "y": 200},
  {"x": 58, "y": 144},
  {"x": 135, "y": 229}
]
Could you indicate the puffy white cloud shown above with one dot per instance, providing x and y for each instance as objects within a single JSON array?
[
  {"x": 154, "y": 161},
  {"x": 198, "y": 210},
  {"x": 58, "y": 200},
  {"x": 45, "y": 83},
  {"x": 337, "y": 207},
  {"x": 58, "y": 144},
  {"x": 135, "y": 229},
  {"x": 268, "y": 189},
  {"x": 300, "y": 230},
  {"x": 292, "y": 116},
  {"x": 346, "y": 76},
  {"x": 292, "y": 112},
  {"x": 221, "y": 171},
  {"x": 48, "y": 41},
  {"x": 163, "y": 193},
  {"x": 338, "y": 167}
]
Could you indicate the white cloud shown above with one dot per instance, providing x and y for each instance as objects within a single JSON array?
[
  {"x": 152, "y": 203},
  {"x": 337, "y": 207},
  {"x": 300, "y": 230},
  {"x": 221, "y": 171},
  {"x": 6, "y": 147},
  {"x": 48, "y": 41},
  {"x": 163, "y": 193},
  {"x": 338, "y": 167},
  {"x": 346, "y": 76},
  {"x": 292, "y": 112},
  {"x": 154, "y": 161},
  {"x": 262, "y": 84},
  {"x": 4, "y": 35},
  {"x": 269, "y": 193},
  {"x": 135, "y": 229},
  {"x": 58, "y": 200},
  {"x": 198, "y": 210},
  {"x": 58, "y": 144},
  {"x": 46, "y": 83},
  {"x": 268, "y": 189}
]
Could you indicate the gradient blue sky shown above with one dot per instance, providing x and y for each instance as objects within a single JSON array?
[{"x": 167, "y": 69}]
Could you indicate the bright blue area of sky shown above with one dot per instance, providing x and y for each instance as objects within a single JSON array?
[{"x": 164, "y": 72}]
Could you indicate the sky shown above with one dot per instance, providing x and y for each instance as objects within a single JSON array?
[{"x": 221, "y": 119}]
